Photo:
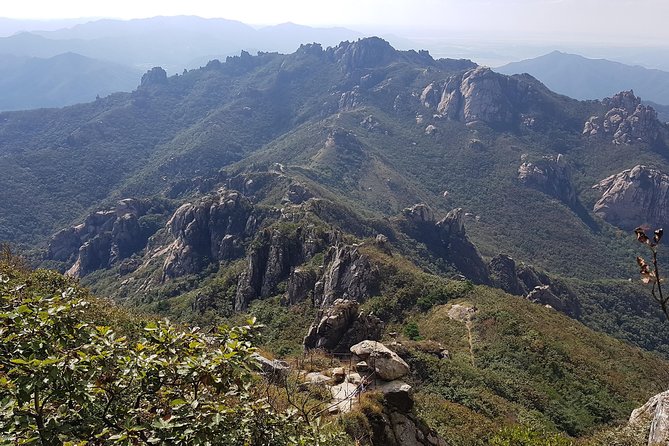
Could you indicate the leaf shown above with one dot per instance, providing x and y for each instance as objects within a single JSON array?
[
  {"x": 641, "y": 236},
  {"x": 647, "y": 276},
  {"x": 658, "y": 235}
]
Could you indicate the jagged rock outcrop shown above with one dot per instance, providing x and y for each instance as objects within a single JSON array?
[
  {"x": 297, "y": 193},
  {"x": 211, "y": 229},
  {"x": 347, "y": 274},
  {"x": 340, "y": 326},
  {"x": 656, "y": 414},
  {"x": 478, "y": 94},
  {"x": 634, "y": 197},
  {"x": 504, "y": 275},
  {"x": 364, "y": 53},
  {"x": 625, "y": 122},
  {"x": 535, "y": 286},
  {"x": 155, "y": 76},
  {"x": 445, "y": 238},
  {"x": 276, "y": 251},
  {"x": 105, "y": 237},
  {"x": 551, "y": 175}
]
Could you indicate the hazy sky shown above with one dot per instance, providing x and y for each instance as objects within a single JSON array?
[{"x": 607, "y": 20}]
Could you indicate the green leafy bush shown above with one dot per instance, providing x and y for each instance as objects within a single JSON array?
[{"x": 65, "y": 380}]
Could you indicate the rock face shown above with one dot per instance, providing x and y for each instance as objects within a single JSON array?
[
  {"x": 445, "y": 238},
  {"x": 105, "y": 237},
  {"x": 209, "y": 230},
  {"x": 365, "y": 53},
  {"x": 387, "y": 365},
  {"x": 625, "y": 122},
  {"x": 155, "y": 76},
  {"x": 634, "y": 197},
  {"x": 504, "y": 275},
  {"x": 341, "y": 326},
  {"x": 656, "y": 413},
  {"x": 273, "y": 255},
  {"x": 533, "y": 285},
  {"x": 347, "y": 274},
  {"x": 551, "y": 175},
  {"x": 347, "y": 279},
  {"x": 478, "y": 94}
]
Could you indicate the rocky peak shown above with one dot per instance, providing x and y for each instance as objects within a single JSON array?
[
  {"x": 369, "y": 52},
  {"x": 340, "y": 326},
  {"x": 626, "y": 121},
  {"x": 478, "y": 94},
  {"x": 634, "y": 197},
  {"x": 155, "y": 76},
  {"x": 551, "y": 175}
]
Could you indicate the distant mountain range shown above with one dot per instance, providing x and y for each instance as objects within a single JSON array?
[
  {"x": 65, "y": 79},
  {"x": 174, "y": 43},
  {"x": 582, "y": 78}
]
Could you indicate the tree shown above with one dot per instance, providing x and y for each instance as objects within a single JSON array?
[{"x": 65, "y": 380}]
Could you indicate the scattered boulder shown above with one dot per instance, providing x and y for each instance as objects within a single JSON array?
[
  {"x": 387, "y": 365},
  {"x": 551, "y": 175},
  {"x": 634, "y": 197},
  {"x": 656, "y": 413}
]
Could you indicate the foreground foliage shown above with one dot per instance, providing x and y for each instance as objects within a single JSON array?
[{"x": 66, "y": 380}]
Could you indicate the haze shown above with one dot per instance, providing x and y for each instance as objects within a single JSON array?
[{"x": 601, "y": 21}]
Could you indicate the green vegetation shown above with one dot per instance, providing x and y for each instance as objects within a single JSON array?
[{"x": 65, "y": 379}]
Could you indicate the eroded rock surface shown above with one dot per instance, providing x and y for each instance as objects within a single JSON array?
[
  {"x": 551, "y": 175},
  {"x": 341, "y": 325},
  {"x": 105, "y": 237},
  {"x": 625, "y": 122},
  {"x": 387, "y": 364},
  {"x": 656, "y": 413},
  {"x": 634, "y": 197},
  {"x": 211, "y": 229}
]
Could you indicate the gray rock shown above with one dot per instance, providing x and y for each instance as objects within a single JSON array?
[
  {"x": 387, "y": 365},
  {"x": 551, "y": 175},
  {"x": 348, "y": 274},
  {"x": 397, "y": 393},
  {"x": 504, "y": 275},
  {"x": 201, "y": 231},
  {"x": 272, "y": 369},
  {"x": 656, "y": 413},
  {"x": 626, "y": 121},
  {"x": 634, "y": 197},
  {"x": 340, "y": 326},
  {"x": 301, "y": 285}
]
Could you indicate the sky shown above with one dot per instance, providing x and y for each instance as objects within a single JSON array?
[{"x": 605, "y": 20}]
